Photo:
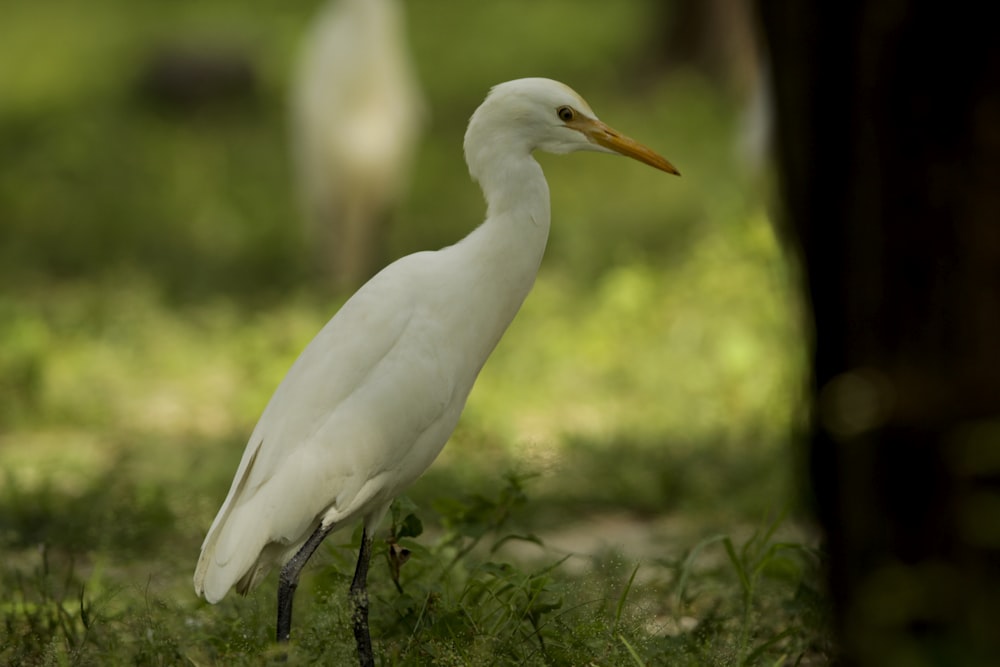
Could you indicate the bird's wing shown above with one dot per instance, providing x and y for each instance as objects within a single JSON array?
[{"x": 313, "y": 434}]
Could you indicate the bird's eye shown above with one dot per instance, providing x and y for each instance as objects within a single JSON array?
[{"x": 566, "y": 114}]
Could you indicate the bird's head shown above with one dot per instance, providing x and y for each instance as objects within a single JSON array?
[{"x": 543, "y": 114}]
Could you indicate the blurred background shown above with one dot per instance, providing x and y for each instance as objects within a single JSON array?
[{"x": 169, "y": 244}]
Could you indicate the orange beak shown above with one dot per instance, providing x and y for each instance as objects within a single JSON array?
[{"x": 610, "y": 138}]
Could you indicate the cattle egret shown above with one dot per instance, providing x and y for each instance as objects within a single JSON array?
[
  {"x": 356, "y": 114},
  {"x": 372, "y": 399}
]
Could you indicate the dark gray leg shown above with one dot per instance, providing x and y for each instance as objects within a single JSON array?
[
  {"x": 359, "y": 603},
  {"x": 288, "y": 581}
]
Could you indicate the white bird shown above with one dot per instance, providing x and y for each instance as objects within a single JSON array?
[
  {"x": 373, "y": 398},
  {"x": 356, "y": 115}
]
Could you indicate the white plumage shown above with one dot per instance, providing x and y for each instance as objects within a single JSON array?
[{"x": 374, "y": 397}]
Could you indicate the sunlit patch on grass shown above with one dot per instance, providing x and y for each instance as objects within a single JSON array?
[{"x": 66, "y": 459}]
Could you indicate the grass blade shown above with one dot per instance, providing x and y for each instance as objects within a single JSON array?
[
  {"x": 689, "y": 562},
  {"x": 624, "y": 595},
  {"x": 631, "y": 651},
  {"x": 738, "y": 565}
]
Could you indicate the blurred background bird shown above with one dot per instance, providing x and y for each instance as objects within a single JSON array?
[{"x": 356, "y": 117}]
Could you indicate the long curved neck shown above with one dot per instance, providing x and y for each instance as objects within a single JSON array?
[
  {"x": 510, "y": 243},
  {"x": 515, "y": 191},
  {"x": 502, "y": 255},
  {"x": 499, "y": 159}
]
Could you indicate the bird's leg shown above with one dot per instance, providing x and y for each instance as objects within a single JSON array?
[
  {"x": 359, "y": 603},
  {"x": 288, "y": 580}
]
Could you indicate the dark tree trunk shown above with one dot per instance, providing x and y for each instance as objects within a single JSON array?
[{"x": 888, "y": 138}]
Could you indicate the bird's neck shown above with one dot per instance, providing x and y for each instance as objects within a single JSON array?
[
  {"x": 515, "y": 189},
  {"x": 517, "y": 214},
  {"x": 506, "y": 251}
]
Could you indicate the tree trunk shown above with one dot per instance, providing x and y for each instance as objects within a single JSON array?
[{"x": 888, "y": 138}]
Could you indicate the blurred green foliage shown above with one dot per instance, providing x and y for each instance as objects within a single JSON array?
[
  {"x": 96, "y": 177},
  {"x": 153, "y": 292}
]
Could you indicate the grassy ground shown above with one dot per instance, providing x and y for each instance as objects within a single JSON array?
[{"x": 621, "y": 489}]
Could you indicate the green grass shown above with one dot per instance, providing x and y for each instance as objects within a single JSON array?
[
  {"x": 459, "y": 601},
  {"x": 610, "y": 495}
]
